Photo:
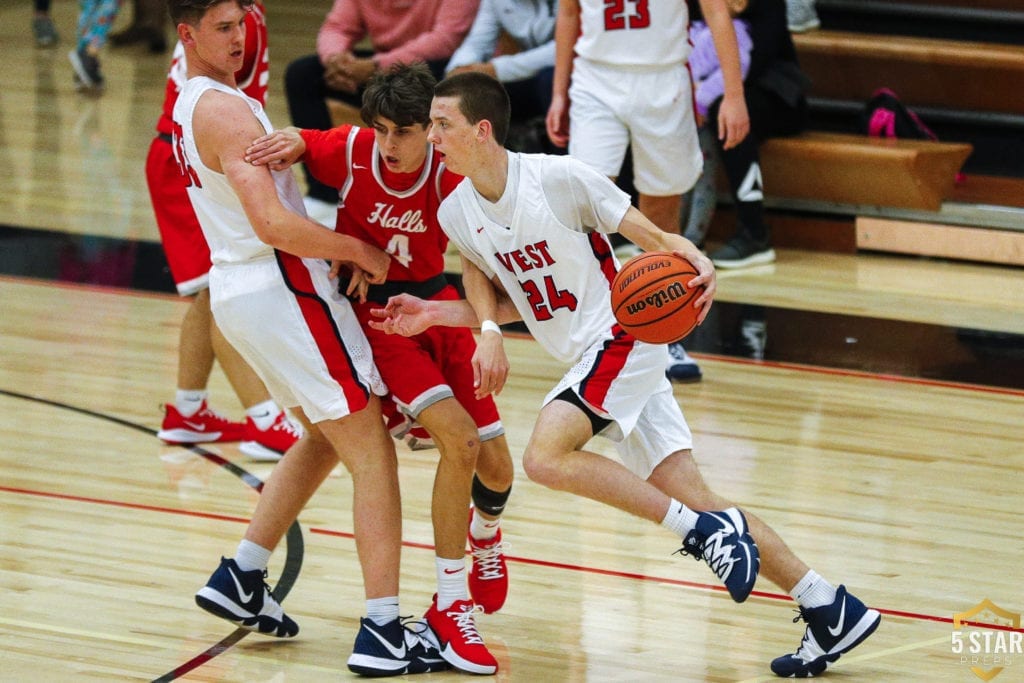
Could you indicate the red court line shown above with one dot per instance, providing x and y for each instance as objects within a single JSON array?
[{"x": 917, "y": 616}]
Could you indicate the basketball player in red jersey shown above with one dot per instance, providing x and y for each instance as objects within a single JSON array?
[
  {"x": 391, "y": 183},
  {"x": 267, "y": 431}
]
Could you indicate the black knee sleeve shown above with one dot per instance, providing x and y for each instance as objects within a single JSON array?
[{"x": 488, "y": 501}]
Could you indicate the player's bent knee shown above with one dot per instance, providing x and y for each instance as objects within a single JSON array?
[{"x": 542, "y": 468}]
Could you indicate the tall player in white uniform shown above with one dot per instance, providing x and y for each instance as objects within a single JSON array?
[
  {"x": 532, "y": 231},
  {"x": 631, "y": 88},
  {"x": 267, "y": 432},
  {"x": 391, "y": 182},
  {"x": 273, "y": 300}
]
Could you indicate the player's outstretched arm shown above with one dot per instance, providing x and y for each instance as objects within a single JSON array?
[
  {"x": 638, "y": 229},
  {"x": 410, "y": 315}
]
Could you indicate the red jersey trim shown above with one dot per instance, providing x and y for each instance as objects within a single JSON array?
[{"x": 324, "y": 330}]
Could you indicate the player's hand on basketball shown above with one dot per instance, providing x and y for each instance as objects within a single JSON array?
[
  {"x": 403, "y": 314},
  {"x": 278, "y": 150},
  {"x": 733, "y": 121},
  {"x": 706, "y": 278},
  {"x": 490, "y": 365}
]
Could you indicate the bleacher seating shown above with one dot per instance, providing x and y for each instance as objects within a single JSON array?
[
  {"x": 923, "y": 71},
  {"x": 859, "y": 170}
]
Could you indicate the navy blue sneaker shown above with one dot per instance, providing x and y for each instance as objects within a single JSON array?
[
  {"x": 394, "y": 649},
  {"x": 831, "y": 631},
  {"x": 681, "y": 367},
  {"x": 721, "y": 539},
  {"x": 244, "y": 599}
]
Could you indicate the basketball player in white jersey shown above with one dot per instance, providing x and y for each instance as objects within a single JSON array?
[
  {"x": 272, "y": 298},
  {"x": 266, "y": 432},
  {"x": 532, "y": 230},
  {"x": 631, "y": 88}
]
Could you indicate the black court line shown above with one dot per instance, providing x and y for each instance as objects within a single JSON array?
[{"x": 293, "y": 539}]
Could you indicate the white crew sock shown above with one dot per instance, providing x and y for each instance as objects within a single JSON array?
[
  {"x": 382, "y": 610},
  {"x": 679, "y": 518},
  {"x": 482, "y": 529},
  {"x": 250, "y": 556},
  {"x": 189, "y": 401},
  {"x": 813, "y": 591},
  {"x": 451, "y": 581},
  {"x": 264, "y": 414}
]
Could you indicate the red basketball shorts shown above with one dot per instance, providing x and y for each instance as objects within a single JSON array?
[{"x": 184, "y": 244}]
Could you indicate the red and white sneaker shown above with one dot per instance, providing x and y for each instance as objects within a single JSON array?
[
  {"x": 457, "y": 638},
  {"x": 488, "y": 577},
  {"x": 268, "y": 445},
  {"x": 206, "y": 426}
]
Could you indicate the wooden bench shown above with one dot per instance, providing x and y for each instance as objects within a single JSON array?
[
  {"x": 924, "y": 72},
  {"x": 859, "y": 170}
]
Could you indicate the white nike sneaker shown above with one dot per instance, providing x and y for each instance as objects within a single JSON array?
[
  {"x": 831, "y": 631},
  {"x": 244, "y": 598}
]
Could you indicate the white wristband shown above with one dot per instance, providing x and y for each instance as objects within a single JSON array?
[{"x": 490, "y": 326}]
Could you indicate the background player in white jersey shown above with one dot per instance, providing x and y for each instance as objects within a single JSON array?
[
  {"x": 273, "y": 300},
  {"x": 267, "y": 432},
  {"x": 532, "y": 231},
  {"x": 630, "y": 88},
  {"x": 391, "y": 182}
]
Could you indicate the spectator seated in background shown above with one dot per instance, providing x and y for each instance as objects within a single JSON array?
[
  {"x": 774, "y": 88},
  {"x": 525, "y": 70},
  {"x": 426, "y": 30}
]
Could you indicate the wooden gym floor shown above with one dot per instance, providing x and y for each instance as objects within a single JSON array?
[{"x": 880, "y": 434}]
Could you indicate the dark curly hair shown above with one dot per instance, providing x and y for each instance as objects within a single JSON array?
[{"x": 401, "y": 94}]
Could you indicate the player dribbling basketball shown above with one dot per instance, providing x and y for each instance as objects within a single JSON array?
[{"x": 530, "y": 229}]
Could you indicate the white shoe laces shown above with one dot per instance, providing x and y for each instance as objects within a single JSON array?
[
  {"x": 487, "y": 560},
  {"x": 207, "y": 411},
  {"x": 467, "y": 625}
]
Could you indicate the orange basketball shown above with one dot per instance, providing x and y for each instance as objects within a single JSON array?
[{"x": 651, "y": 300}]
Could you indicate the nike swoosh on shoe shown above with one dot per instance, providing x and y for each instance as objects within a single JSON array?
[
  {"x": 839, "y": 624},
  {"x": 246, "y": 597},
  {"x": 396, "y": 652}
]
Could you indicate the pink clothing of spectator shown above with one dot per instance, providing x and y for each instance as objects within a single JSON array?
[{"x": 396, "y": 29}]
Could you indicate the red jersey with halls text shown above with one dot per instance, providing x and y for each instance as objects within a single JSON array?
[{"x": 397, "y": 212}]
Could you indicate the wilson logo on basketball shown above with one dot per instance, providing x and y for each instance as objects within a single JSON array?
[
  {"x": 651, "y": 300},
  {"x": 658, "y": 298}
]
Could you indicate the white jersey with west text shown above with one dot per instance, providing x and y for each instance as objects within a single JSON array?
[{"x": 545, "y": 240}]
